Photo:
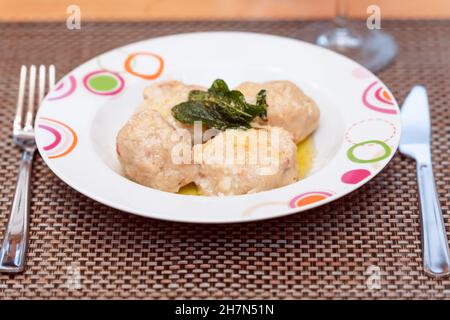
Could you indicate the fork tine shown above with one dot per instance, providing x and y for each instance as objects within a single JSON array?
[
  {"x": 41, "y": 91},
  {"x": 31, "y": 89},
  {"x": 17, "y": 125},
  {"x": 41, "y": 84},
  {"x": 51, "y": 76}
]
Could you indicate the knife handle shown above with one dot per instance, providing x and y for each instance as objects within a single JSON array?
[{"x": 436, "y": 256}]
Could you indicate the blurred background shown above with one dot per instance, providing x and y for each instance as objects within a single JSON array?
[{"x": 51, "y": 10}]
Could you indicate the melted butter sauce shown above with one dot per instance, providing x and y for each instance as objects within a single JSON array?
[
  {"x": 305, "y": 159},
  {"x": 190, "y": 189}
]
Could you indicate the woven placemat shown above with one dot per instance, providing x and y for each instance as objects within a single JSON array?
[{"x": 80, "y": 248}]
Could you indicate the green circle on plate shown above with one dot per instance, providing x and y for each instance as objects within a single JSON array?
[
  {"x": 103, "y": 83},
  {"x": 352, "y": 157}
]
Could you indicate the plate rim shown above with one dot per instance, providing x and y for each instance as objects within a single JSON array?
[{"x": 278, "y": 213}]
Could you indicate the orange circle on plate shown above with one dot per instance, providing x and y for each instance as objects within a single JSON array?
[
  {"x": 155, "y": 75},
  {"x": 386, "y": 95},
  {"x": 309, "y": 199}
]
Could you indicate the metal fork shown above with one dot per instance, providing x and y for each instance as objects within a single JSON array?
[{"x": 12, "y": 255}]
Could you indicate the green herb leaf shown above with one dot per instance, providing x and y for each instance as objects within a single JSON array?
[
  {"x": 262, "y": 104},
  {"x": 220, "y": 108},
  {"x": 219, "y": 87},
  {"x": 209, "y": 114}
]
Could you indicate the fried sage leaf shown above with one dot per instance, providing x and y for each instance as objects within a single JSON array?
[
  {"x": 220, "y": 107},
  {"x": 209, "y": 114}
]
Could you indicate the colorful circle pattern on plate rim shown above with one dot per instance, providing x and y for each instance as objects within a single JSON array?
[
  {"x": 63, "y": 138},
  {"x": 64, "y": 89},
  {"x": 307, "y": 198},
  {"x": 103, "y": 82},
  {"x": 128, "y": 65},
  {"x": 377, "y": 98}
]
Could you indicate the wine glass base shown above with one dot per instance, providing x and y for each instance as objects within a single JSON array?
[
  {"x": 374, "y": 49},
  {"x": 339, "y": 39}
]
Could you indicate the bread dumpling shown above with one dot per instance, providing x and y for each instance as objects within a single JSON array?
[
  {"x": 288, "y": 106},
  {"x": 246, "y": 161},
  {"x": 154, "y": 153},
  {"x": 163, "y": 96}
]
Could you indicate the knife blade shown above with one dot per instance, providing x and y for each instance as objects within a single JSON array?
[
  {"x": 415, "y": 117},
  {"x": 415, "y": 143}
]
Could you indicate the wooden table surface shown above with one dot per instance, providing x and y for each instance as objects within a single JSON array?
[{"x": 50, "y": 10}]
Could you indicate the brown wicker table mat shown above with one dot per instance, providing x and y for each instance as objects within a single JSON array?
[{"x": 80, "y": 248}]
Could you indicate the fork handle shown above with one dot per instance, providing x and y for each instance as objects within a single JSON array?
[
  {"x": 12, "y": 255},
  {"x": 436, "y": 257}
]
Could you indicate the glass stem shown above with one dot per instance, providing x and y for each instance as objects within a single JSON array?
[{"x": 340, "y": 17}]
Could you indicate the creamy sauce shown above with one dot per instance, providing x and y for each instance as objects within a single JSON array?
[{"x": 305, "y": 158}]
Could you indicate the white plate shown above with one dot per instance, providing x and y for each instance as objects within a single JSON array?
[{"x": 78, "y": 121}]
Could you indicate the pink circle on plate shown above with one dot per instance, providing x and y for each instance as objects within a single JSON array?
[{"x": 355, "y": 176}]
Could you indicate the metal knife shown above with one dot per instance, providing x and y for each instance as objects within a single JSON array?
[{"x": 415, "y": 143}]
